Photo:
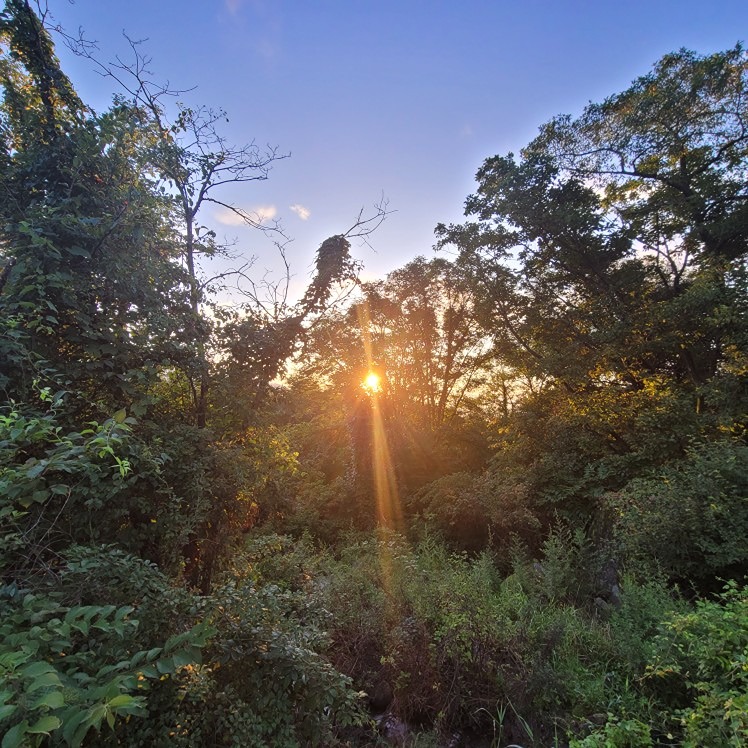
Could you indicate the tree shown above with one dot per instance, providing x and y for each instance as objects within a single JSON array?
[
  {"x": 90, "y": 283},
  {"x": 193, "y": 160},
  {"x": 101, "y": 294},
  {"x": 609, "y": 261},
  {"x": 422, "y": 334},
  {"x": 417, "y": 329},
  {"x": 624, "y": 215}
]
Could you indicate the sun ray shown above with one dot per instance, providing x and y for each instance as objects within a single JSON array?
[{"x": 389, "y": 512}]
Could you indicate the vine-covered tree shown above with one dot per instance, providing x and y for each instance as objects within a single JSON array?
[{"x": 90, "y": 283}]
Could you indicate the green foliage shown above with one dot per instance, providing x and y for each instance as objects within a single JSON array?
[
  {"x": 88, "y": 486},
  {"x": 689, "y": 518},
  {"x": 592, "y": 330},
  {"x": 699, "y": 665},
  {"x": 637, "y": 620},
  {"x": 449, "y": 640},
  {"x": 64, "y": 670},
  {"x": 253, "y": 673},
  {"x": 42, "y": 468},
  {"x": 528, "y": 656},
  {"x": 264, "y": 678},
  {"x": 472, "y": 509},
  {"x": 627, "y": 733},
  {"x": 684, "y": 680},
  {"x": 92, "y": 287},
  {"x": 272, "y": 660},
  {"x": 93, "y": 574},
  {"x": 604, "y": 261}
]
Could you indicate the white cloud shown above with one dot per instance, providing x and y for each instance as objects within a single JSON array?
[
  {"x": 257, "y": 213},
  {"x": 232, "y": 6},
  {"x": 262, "y": 213},
  {"x": 301, "y": 211},
  {"x": 228, "y": 217}
]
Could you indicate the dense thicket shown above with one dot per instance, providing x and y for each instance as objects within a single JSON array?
[{"x": 529, "y": 529}]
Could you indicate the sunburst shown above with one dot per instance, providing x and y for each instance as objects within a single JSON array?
[{"x": 372, "y": 383}]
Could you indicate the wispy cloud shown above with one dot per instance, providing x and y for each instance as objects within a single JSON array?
[
  {"x": 301, "y": 211},
  {"x": 257, "y": 213},
  {"x": 266, "y": 49},
  {"x": 467, "y": 131},
  {"x": 233, "y": 6}
]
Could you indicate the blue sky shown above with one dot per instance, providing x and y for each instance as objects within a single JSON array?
[{"x": 402, "y": 98}]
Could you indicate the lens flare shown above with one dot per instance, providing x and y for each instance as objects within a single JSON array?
[
  {"x": 372, "y": 383},
  {"x": 389, "y": 512}
]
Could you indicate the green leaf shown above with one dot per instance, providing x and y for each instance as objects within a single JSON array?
[
  {"x": 45, "y": 725},
  {"x": 82, "y": 626},
  {"x": 165, "y": 665},
  {"x": 96, "y": 713},
  {"x": 53, "y": 700},
  {"x": 79, "y": 252},
  {"x": 40, "y": 496},
  {"x": 183, "y": 657},
  {"x": 112, "y": 691},
  {"x": 47, "y": 679},
  {"x": 14, "y": 737},
  {"x": 75, "y": 730},
  {"x": 36, "y": 470},
  {"x": 121, "y": 700},
  {"x": 35, "y": 669},
  {"x": 120, "y": 415},
  {"x": 6, "y": 710}
]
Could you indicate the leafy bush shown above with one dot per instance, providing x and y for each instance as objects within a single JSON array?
[
  {"x": 44, "y": 471},
  {"x": 686, "y": 682},
  {"x": 637, "y": 621},
  {"x": 472, "y": 510},
  {"x": 627, "y": 733},
  {"x": 690, "y": 519},
  {"x": 64, "y": 670},
  {"x": 700, "y": 667},
  {"x": 264, "y": 678},
  {"x": 97, "y": 484},
  {"x": 440, "y": 639}
]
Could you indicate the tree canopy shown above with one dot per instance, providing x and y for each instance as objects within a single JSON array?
[{"x": 496, "y": 498}]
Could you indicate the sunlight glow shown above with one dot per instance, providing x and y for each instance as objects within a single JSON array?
[
  {"x": 389, "y": 512},
  {"x": 372, "y": 383}
]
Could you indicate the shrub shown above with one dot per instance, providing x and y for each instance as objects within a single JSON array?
[
  {"x": 64, "y": 670},
  {"x": 689, "y": 519},
  {"x": 471, "y": 510},
  {"x": 699, "y": 665},
  {"x": 626, "y": 733},
  {"x": 455, "y": 646}
]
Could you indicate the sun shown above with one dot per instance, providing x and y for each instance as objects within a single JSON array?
[{"x": 372, "y": 383}]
